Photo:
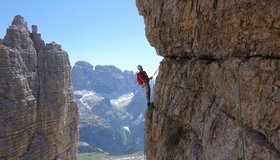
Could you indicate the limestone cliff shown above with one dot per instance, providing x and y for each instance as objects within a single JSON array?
[
  {"x": 38, "y": 115},
  {"x": 197, "y": 90}
]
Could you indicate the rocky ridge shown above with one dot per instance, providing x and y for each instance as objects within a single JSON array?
[
  {"x": 197, "y": 89},
  {"x": 38, "y": 113},
  {"x": 108, "y": 81}
]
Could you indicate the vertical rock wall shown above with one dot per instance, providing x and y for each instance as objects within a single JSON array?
[
  {"x": 38, "y": 115},
  {"x": 197, "y": 92}
]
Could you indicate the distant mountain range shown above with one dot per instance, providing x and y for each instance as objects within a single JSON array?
[{"x": 111, "y": 108}]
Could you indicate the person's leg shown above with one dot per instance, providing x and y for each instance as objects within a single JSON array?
[{"x": 148, "y": 92}]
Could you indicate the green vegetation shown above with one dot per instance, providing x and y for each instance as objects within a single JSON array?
[
  {"x": 86, "y": 149},
  {"x": 103, "y": 156},
  {"x": 92, "y": 156}
]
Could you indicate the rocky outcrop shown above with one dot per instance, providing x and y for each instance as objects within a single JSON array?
[
  {"x": 38, "y": 114},
  {"x": 208, "y": 48}
]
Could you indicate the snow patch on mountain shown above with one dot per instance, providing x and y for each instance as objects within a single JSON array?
[
  {"x": 88, "y": 95},
  {"x": 140, "y": 119},
  {"x": 83, "y": 144},
  {"x": 122, "y": 101},
  {"x": 126, "y": 133},
  {"x": 126, "y": 128}
]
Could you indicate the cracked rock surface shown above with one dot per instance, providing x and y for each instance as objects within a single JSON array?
[
  {"x": 38, "y": 115},
  {"x": 197, "y": 91}
]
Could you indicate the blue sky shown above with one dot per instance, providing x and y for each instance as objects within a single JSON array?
[{"x": 102, "y": 32}]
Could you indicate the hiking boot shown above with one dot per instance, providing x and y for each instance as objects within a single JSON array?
[{"x": 151, "y": 105}]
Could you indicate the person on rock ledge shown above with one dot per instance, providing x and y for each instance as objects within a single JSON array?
[{"x": 143, "y": 80}]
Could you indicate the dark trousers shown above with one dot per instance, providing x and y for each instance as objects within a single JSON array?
[{"x": 148, "y": 91}]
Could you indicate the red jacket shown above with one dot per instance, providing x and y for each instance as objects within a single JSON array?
[{"x": 142, "y": 77}]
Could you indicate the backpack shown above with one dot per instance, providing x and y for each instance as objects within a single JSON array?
[{"x": 142, "y": 75}]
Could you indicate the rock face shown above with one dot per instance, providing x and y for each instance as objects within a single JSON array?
[
  {"x": 198, "y": 97},
  {"x": 38, "y": 114}
]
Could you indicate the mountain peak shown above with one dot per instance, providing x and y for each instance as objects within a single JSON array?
[
  {"x": 17, "y": 35},
  {"x": 19, "y": 21},
  {"x": 107, "y": 68},
  {"x": 108, "y": 80},
  {"x": 83, "y": 64}
]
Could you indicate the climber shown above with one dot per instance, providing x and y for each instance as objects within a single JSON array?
[{"x": 143, "y": 80}]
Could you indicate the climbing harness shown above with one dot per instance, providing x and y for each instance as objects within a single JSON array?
[{"x": 240, "y": 112}]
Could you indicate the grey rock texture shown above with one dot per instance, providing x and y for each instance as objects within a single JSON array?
[
  {"x": 215, "y": 28},
  {"x": 38, "y": 115},
  {"x": 197, "y": 92}
]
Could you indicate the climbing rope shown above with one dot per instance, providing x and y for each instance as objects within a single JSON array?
[
  {"x": 155, "y": 72},
  {"x": 240, "y": 112}
]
